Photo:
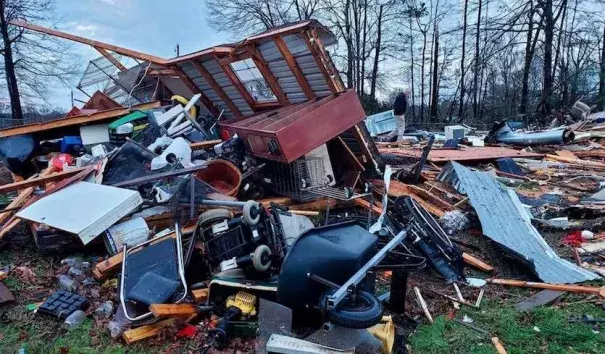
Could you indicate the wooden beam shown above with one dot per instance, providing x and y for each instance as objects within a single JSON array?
[
  {"x": 111, "y": 58},
  {"x": 193, "y": 87},
  {"x": 326, "y": 58},
  {"x": 77, "y": 120},
  {"x": 476, "y": 262},
  {"x": 560, "y": 287},
  {"x": 298, "y": 74},
  {"x": 163, "y": 72},
  {"x": 319, "y": 60},
  {"x": 204, "y": 144},
  {"x": 217, "y": 88},
  {"x": 173, "y": 310},
  {"x": 228, "y": 70},
  {"x": 120, "y": 50},
  {"x": 263, "y": 67},
  {"x": 366, "y": 205},
  {"x": 140, "y": 333},
  {"x": 39, "y": 181}
]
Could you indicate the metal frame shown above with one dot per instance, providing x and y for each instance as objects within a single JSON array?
[{"x": 181, "y": 264}]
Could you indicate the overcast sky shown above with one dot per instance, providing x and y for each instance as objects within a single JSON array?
[{"x": 149, "y": 26}]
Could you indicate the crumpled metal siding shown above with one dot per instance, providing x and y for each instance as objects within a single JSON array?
[{"x": 504, "y": 220}]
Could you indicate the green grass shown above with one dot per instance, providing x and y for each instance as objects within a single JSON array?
[{"x": 514, "y": 329}]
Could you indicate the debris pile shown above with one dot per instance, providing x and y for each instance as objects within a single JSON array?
[{"x": 221, "y": 214}]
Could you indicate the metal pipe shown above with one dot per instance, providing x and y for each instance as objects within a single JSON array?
[{"x": 505, "y": 135}]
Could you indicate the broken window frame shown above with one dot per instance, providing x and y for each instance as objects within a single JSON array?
[{"x": 257, "y": 76}]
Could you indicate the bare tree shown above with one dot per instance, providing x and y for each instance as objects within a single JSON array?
[
  {"x": 32, "y": 62},
  {"x": 461, "y": 105},
  {"x": 601, "y": 100}
]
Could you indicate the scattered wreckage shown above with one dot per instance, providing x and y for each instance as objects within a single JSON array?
[{"x": 249, "y": 209}]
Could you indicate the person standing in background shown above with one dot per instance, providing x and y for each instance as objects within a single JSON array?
[{"x": 399, "y": 107}]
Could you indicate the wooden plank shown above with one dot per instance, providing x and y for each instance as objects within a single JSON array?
[
  {"x": 304, "y": 212},
  {"x": 476, "y": 262},
  {"x": 39, "y": 181},
  {"x": 358, "y": 165},
  {"x": 77, "y": 120},
  {"x": 498, "y": 345},
  {"x": 193, "y": 87},
  {"x": 263, "y": 67},
  {"x": 323, "y": 67},
  {"x": 204, "y": 144},
  {"x": 137, "y": 334},
  {"x": 543, "y": 297},
  {"x": 217, "y": 88},
  {"x": 111, "y": 58},
  {"x": 293, "y": 65},
  {"x": 431, "y": 203},
  {"x": 560, "y": 287},
  {"x": 365, "y": 204},
  {"x": 200, "y": 295},
  {"x": 10, "y": 225},
  {"x": 23, "y": 195},
  {"x": 93, "y": 43},
  {"x": 340, "y": 86},
  {"x": 285, "y": 201},
  {"x": 228, "y": 70},
  {"x": 173, "y": 310}
]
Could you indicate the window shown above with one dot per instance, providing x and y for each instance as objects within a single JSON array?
[{"x": 253, "y": 80}]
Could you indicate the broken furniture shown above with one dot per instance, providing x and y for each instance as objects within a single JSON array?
[{"x": 61, "y": 304}]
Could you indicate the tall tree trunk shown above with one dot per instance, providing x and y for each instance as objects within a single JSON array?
[
  {"x": 476, "y": 78},
  {"x": 549, "y": 27},
  {"x": 422, "y": 78},
  {"x": 349, "y": 43},
  {"x": 357, "y": 31},
  {"x": 461, "y": 104},
  {"x": 9, "y": 70},
  {"x": 435, "y": 85},
  {"x": 601, "y": 100},
  {"x": 562, "y": 13},
  {"x": 363, "y": 46},
  {"x": 376, "y": 54},
  {"x": 528, "y": 59},
  {"x": 412, "y": 70}
]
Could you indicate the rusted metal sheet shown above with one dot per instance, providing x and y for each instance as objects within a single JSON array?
[
  {"x": 466, "y": 153},
  {"x": 276, "y": 135}
]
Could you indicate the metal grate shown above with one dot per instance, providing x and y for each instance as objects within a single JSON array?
[{"x": 294, "y": 180}]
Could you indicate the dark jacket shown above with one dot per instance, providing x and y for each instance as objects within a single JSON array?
[{"x": 400, "y": 105}]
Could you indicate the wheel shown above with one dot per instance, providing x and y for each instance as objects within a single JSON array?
[
  {"x": 260, "y": 258},
  {"x": 210, "y": 217},
  {"x": 251, "y": 212},
  {"x": 364, "y": 312}
]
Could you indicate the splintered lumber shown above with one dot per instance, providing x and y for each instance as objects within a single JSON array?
[
  {"x": 39, "y": 181},
  {"x": 366, "y": 205},
  {"x": 304, "y": 212},
  {"x": 137, "y": 334},
  {"x": 204, "y": 144},
  {"x": 428, "y": 201},
  {"x": 422, "y": 304},
  {"x": 476, "y": 262},
  {"x": 498, "y": 345},
  {"x": 285, "y": 201},
  {"x": 200, "y": 295},
  {"x": 576, "y": 161},
  {"x": 173, "y": 310},
  {"x": 560, "y": 287}
]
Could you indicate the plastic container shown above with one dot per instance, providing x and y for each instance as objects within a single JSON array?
[
  {"x": 67, "y": 283},
  {"x": 222, "y": 175},
  {"x": 105, "y": 310},
  {"x": 74, "y": 320}
]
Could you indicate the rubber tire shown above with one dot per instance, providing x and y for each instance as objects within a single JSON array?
[
  {"x": 210, "y": 217},
  {"x": 366, "y": 315},
  {"x": 257, "y": 258},
  {"x": 249, "y": 206}
]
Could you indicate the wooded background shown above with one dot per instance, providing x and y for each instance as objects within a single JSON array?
[{"x": 466, "y": 60}]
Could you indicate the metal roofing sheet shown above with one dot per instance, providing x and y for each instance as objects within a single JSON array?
[{"x": 505, "y": 220}]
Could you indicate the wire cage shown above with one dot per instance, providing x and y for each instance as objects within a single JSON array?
[{"x": 294, "y": 180}]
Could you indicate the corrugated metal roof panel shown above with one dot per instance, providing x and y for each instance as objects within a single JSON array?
[{"x": 504, "y": 220}]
